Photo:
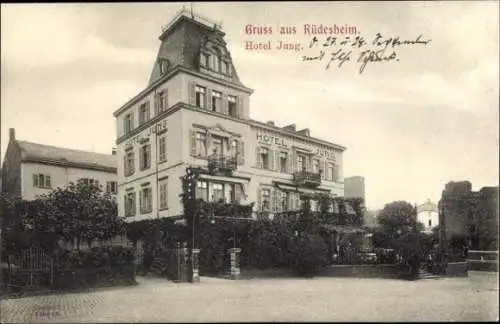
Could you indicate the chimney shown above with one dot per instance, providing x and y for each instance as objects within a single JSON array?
[
  {"x": 271, "y": 123},
  {"x": 12, "y": 134},
  {"x": 113, "y": 151},
  {"x": 291, "y": 127},
  {"x": 304, "y": 132}
]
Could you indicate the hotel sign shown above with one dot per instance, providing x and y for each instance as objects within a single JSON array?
[
  {"x": 271, "y": 140},
  {"x": 145, "y": 134},
  {"x": 276, "y": 141}
]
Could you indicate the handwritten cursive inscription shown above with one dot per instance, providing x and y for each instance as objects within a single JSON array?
[{"x": 341, "y": 49}]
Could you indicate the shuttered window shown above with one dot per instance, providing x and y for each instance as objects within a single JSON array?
[
  {"x": 162, "y": 148},
  {"x": 129, "y": 201},
  {"x": 163, "y": 194}
]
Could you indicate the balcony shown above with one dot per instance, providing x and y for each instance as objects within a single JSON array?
[
  {"x": 307, "y": 178},
  {"x": 222, "y": 164}
]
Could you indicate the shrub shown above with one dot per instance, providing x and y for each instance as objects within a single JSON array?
[{"x": 307, "y": 254}]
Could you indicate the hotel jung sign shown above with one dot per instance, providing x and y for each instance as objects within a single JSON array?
[
  {"x": 275, "y": 141},
  {"x": 157, "y": 128}
]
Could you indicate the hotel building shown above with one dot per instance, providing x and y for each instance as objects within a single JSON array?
[
  {"x": 195, "y": 112},
  {"x": 30, "y": 169}
]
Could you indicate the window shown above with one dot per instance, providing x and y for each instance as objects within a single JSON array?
[
  {"x": 217, "y": 145},
  {"x": 234, "y": 148},
  {"x": 89, "y": 182},
  {"x": 146, "y": 201},
  {"x": 223, "y": 67},
  {"x": 329, "y": 172},
  {"x": 201, "y": 190},
  {"x": 129, "y": 165},
  {"x": 231, "y": 105},
  {"x": 203, "y": 60},
  {"x": 145, "y": 156},
  {"x": 162, "y": 148},
  {"x": 216, "y": 63},
  {"x": 216, "y": 101},
  {"x": 130, "y": 204},
  {"x": 430, "y": 223},
  {"x": 161, "y": 102},
  {"x": 315, "y": 166},
  {"x": 335, "y": 172},
  {"x": 163, "y": 67},
  {"x": 163, "y": 195},
  {"x": 42, "y": 181},
  {"x": 200, "y": 97},
  {"x": 143, "y": 112},
  {"x": 128, "y": 123},
  {"x": 301, "y": 163},
  {"x": 263, "y": 158},
  {"x": 217, "y": 191},
  {"x": 283, "y": 161},
  {"x": 266, "y": 199},
  {"x": 111, "y": 187},
  {"x": 229, "y": 192},
  {"x": 201, "y": 144},
  {"x": 284, "y": 198}
]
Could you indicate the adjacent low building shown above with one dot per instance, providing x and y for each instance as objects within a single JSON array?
[
  {"x": 195, "y": 112},
  {"x": 30, "y": 169}
]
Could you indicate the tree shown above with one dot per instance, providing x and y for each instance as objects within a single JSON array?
[
  {"x": 399, "y": 230},
  {"x": 75, "y": 213}
]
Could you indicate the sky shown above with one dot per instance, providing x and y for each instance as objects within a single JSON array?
[{"x": 409, "y": 126}]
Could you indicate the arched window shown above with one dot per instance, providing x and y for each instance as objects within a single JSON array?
[
  {"x": 163, "y": 63},
  {"x": 216, "y": 65}
]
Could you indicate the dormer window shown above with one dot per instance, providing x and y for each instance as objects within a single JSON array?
[
  {"x": 204, "y": 59},
  {"x": 216, "y": 64},
  {"x": 163, "y": 66},
  {"x": 223, "y": 67}
]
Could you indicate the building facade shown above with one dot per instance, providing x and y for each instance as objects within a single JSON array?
[
  {"x": 428, "y": 215},
  {"x": 470, "y": 216},
  {"x": 30, "y": 170},
  {"x": 195, "y": 113}
]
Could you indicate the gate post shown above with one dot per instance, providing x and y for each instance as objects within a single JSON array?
[
  {"x": 235, "y": 263},
  {"x": 195, "y": 263}
]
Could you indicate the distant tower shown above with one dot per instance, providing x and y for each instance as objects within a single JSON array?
[
  {"x": 354, "y": 187},
  {"x": 428, "y": 215}
]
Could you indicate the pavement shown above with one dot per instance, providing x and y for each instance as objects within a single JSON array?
[{"x": 474, "y": 298}]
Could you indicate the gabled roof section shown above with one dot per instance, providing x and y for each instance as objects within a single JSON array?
[
  {"x": 33, "y": 152},
  {"x": 184, "y": 39}
]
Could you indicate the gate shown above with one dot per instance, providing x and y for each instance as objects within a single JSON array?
[{"x": 29, "y": 269}]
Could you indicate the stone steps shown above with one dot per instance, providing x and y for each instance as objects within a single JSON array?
[{"x": 423, "y": 274}]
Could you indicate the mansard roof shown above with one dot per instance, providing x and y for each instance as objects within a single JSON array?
[{"x": 184, "y": 39}]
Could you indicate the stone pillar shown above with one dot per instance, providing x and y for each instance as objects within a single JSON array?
[
  {"x": 196, "y": 265},
  {"x": 235, "y": 263}
]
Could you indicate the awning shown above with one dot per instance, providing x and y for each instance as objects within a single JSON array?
[
  {"x": 286, "y": 187},
  {"x": 223, "y": 179}
]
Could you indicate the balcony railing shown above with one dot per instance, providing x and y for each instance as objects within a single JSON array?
[
  {"x": 307, "y": 178},
  {"x": 222, "y": 163}
]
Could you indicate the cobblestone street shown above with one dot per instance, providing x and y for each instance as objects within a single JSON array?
[{"x": 322, "y": 299}]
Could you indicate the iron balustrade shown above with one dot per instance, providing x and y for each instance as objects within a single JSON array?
[
  {"x": 222, "y": 163},
  {"x": 307, "y": 177}
]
